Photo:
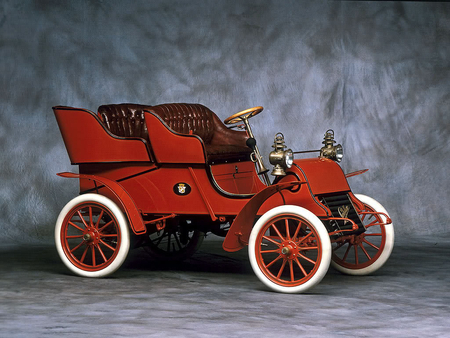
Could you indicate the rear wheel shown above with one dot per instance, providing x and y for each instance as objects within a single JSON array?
[
  {"x": 365, "y": 253},
  {"x": 175, "y": 242},
  {"x": 92, "y": 236},
  {"x": 289, "y": 249}
]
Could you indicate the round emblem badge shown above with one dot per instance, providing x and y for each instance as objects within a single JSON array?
[{"x": 182, "y": 189}]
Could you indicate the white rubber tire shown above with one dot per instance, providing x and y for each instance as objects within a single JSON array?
[
  {"x": 323, "y": 237},
  {"x": 388, "y": 246},
  {"x": 121, "y": 223}
]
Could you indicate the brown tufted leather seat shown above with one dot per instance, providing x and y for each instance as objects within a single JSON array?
[
  {"x": 221, "y": 143},
  {"x": 126, "y": 120}
]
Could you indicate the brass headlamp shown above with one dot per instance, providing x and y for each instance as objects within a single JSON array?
[
  {"x": 279, "y": 157},
  {"x": 329, "y": 150}
]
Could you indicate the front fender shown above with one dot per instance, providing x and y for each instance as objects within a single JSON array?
[
  {"x": 127, "y": 203},
  {"x": 239, "y": 232},
  {"x": 324, "y": 176}
]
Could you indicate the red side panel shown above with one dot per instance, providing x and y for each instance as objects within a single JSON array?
[
  {"x": 87, "y": 140},
  {"x": 156, "y": 192},
  {"x": 237, "y": 178},
  {"x": 171, "y": 147}
]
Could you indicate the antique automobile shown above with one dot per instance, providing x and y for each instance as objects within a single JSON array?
[{"x": 161, "y": 177}]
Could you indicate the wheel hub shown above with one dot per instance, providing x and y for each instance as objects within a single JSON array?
[
  {"x": 91, "y": 236},
  {"x": 289, "y": 249},
  {"x": 356, "y": 240}
]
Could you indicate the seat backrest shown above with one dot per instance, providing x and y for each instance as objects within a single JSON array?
[
  {"x": 127, "y": 119},
  {"x": 187, "y": 118}
]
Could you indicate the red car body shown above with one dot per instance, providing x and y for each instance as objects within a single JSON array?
[{"x": 177, "y": 170}]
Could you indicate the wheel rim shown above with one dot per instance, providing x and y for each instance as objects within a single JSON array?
[
  {"x": 288, "y": 250},
  {"x": 90, "y": 236},
  {"x": 360, "y": 251}
]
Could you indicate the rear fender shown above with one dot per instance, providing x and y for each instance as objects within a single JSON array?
[
  {"x": 127, "y": 203},
  {"x": 239, "y": 232}
]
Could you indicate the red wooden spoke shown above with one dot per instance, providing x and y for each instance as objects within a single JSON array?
[
  {"x": 374, "y": 222},
  {"x": 270, "y": 251},
  {"x": 309, "y": 247},
  {"x": 346, "y": 252},
  {"x": 77, "y": 236},
  {"x": 103, "y": 227},
  {"x": 82, "y": 219},
  {"x": 84, "y": 254},
  {"x": 271, "y": 240},
  {"x": 177, "y": 241},
  {"x": 108, "y": 235},
  {"x": 161, "y": 238},
  {"x": 275, "y": 260},
  {"x": 300, "y": 266},
  {"x": 299, "y": 226},
  {"x": 365, "y": 252},
  {"x": 286, "y": 222},
  {"x": 306, "y": 258},
  {"x": 356, "y": 255},
  {"x": 168, "y": 242},
  {"x": 90, "y": 217},
  {"x": 371, "y": 244},
  {"x": 107, "y": 245},
  {"x": 77, "y": 247},
  {"x": 304, "y": 238},
  {"x": 339, "y": 246},
  {"x": 291, "y": 270},
  {"x": 75, "y": 226},
  {"x": 101, "y": 253},
  {"x": 99, "y": 219},
  {"x": 282, "y": 268},
  {"x": 93, "y": 255},
  {"x": 276, "y": 230}
]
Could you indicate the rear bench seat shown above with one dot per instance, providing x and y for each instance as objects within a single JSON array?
[{"x": 221, "y": 144}]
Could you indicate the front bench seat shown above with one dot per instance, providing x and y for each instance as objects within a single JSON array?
[{"x": 221, "y": 144}]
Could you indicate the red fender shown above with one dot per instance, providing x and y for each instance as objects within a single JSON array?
[
  {"x": 132, "y": 212},
  {"x": 239, "y": 232},
  {"x": 354, "y": 173}
]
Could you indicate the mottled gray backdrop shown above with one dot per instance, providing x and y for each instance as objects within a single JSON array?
[{"x": 376, "y": 72}]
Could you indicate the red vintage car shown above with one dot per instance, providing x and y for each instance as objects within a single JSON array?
[{"x": 164, "y": 176}]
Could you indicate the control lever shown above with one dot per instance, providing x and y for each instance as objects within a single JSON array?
[{"x": 256, "y": 158}]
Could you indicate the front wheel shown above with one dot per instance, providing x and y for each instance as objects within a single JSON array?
[
  {"x": 92, "y": 236},
  {"x": 365, "y": 253},
  {"x": 289, "y": 249}
]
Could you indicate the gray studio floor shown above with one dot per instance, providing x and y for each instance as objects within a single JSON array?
[{"x": 215, "y": 294}]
